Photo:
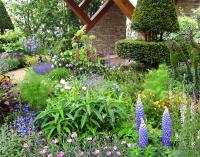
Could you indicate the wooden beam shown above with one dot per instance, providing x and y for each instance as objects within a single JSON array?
[
  {"x": 79, "y": 12},
  {"x": 126, "y": 7},
  {"x": 99, "y": 14},
  {"x": 84, "y": 4}
]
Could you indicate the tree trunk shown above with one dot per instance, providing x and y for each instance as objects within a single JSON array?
[{"x": 2, "y": 31}]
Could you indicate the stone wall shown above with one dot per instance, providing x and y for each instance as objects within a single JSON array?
[
  {"x": 187, "y": 5},
  {"x": 110, "y": 28}
]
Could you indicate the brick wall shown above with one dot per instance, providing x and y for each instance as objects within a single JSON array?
[
  {"x": 110, "y": 28},
  {"x": 187, "y": 6}
]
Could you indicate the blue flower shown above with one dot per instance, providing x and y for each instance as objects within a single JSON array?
[
  {"x": 166, "y": 128},
  {"x": 43, "y": 68},
  {"x": 139, "y": 112},
  {"x": 143, "y": 135}
]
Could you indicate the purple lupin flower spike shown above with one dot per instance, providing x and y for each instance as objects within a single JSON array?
[
  {"x": 166, "y": 128},
  {"x": 143, "y": 135},
  {"x": 139, "y": 112}
]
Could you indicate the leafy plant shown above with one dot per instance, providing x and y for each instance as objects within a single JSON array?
[
  {"x": 58, "y": 74},
  {"x": 81, "y": 109}
]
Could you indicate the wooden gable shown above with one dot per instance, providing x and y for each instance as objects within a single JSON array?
[{"x": 124, "y": 5}]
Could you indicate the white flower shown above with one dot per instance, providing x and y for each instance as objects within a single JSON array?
[
  {"x": 63, "y": 82},
  {"x": 67, "y": 87},
  {"x": 60, "y": 65},
  {"x": 63, "y": 59},
  {"x": 62, "y": 54},
  {"x": 52, "y": 66},
  {"x": 84, "y": 88}
]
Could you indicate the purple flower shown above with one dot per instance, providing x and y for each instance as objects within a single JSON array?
[
  {"x": 166, "y": 128},
  {"x": 143, "y": 135},
  {"x": 31, "y": 46},
  {"x": 43, "y": 68},
  {"x": 95, "y": 152},
  {"x": 139, "y": 112}
]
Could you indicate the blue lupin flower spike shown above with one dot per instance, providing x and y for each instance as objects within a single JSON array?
[
  {"x": 139, "y": 112},
  {"x": 166, "y": 128},
  {"x": 143, "y": 135}
]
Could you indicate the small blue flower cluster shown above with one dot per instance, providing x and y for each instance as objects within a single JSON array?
[
  {"x": 43, "y": 68},
  {"x": 31, "y": 46},
  {"x": 24, "y": 124}
]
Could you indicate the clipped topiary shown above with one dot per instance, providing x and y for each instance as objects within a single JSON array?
[
  {"x": 149, "y": 53},
  {"x": 5, "y": 21},
  {"x": 155, "y": 17}
]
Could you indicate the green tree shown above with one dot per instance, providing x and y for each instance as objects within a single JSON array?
[
  {"x": 155, "y": 17},
  {"x": 5, "y": 21}
]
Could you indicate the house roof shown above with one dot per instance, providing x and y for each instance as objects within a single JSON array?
[{"x": 125, "y": 6}]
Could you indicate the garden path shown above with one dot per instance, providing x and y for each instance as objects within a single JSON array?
[{"x": 17, "y": 75}]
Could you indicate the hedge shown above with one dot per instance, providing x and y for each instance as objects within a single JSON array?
[{"x": 149, "y": 53}]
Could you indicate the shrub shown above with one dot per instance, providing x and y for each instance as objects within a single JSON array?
[
  {"x": 58, "y": 74},
  {"x": 149, "y": 53},
  {"x": 10, "y": 37},
  {"x": 11, "y": 143},
  {"x": 156, "y": 16},
  {"x": 5, "y": 21},
  {"x": 8, "y": 63},
  {"x": 35, "y": 89}
]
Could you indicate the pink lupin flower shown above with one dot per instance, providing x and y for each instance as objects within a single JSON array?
[{"x": 74, "y": 135}]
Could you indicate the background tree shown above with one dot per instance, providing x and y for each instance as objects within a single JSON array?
[
  {"x": 155, "y": 17},
  {"x": 5, "y": 21}
]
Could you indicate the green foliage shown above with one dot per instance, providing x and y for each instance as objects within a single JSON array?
[
  {"x": 10, "y": 37},
  {"x": 157, "y": 16},
  {"x": 58, "y": 74},
  {"x": 149, "y": 53},
  {"x": 84, "y": 110},
  {"x": 13, "y": 47},
  {"x": 155, "y": 93},
  {"x": 11, "y": 143},
  {"x": 35, "y": 89},
  {"x": 5, "y": 21}
]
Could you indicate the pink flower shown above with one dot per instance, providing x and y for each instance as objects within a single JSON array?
[
  {"x": 26, "y": 145},
  {"x": 40, "y": 132},
  {"x": 74, "y": 135},
  {"x": 69, "y": 141},
  {"x": 128, "y": 145},
  {"x": 108, "y": 153},
  {"x": 95, "y": 152},
  {"x": 44, "y": 151},
  {"x": 50, "y": 155},
  {"x": 46, "y": 147},
  {"x": 43, "y": 140},
  {"x": 118, "y": 153},
  {"x": 61, "y": 154},
  {"x": 55, "y": 141}
]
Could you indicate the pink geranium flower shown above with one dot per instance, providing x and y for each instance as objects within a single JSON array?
[{"x": 74, "y": 135}]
